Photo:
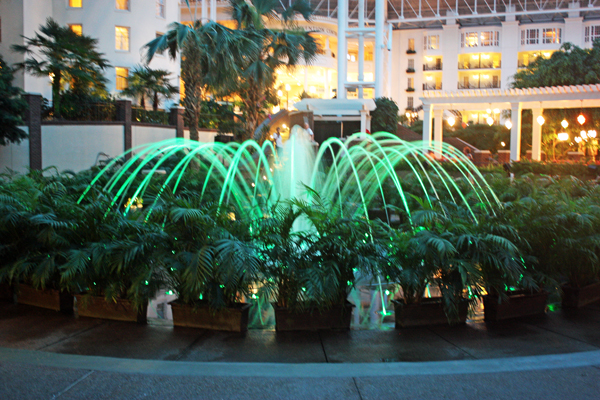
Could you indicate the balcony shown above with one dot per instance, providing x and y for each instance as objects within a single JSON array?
[
  {"x": 479, "y": 65},
  {"x": 410, "y": 70},
  {"x": 436, "y": 67},
  {"x": 410, "y": 89},
  {"x": 479, "y": 86},
  {"x": 411, "y": 51},
  {"x": 432, "y": 86}
]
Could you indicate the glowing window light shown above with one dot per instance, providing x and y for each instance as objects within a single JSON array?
[
  {"x": 541, "y": 120},
  {"x": 564, "y": 123},
  {"x": 563, "y": 136}
]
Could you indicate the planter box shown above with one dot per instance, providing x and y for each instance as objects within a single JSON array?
[
  {"x": 47, "y": 298},
  {"x": 98, "y": 307},
  {"x": 233, "y": 319},
  {"x": 579, "y": 297},
  {"x": 519, "y": 304},
  {"x": 338, "y": 317},
  {"x": 429, "y": 312}
]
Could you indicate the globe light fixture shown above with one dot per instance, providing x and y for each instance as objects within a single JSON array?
[
  {"x": 591, "y": 134},
  {"x": 489, "y": 111},
  {"x": 564, "y": 123},
  {"x": 490, "y": 121},
  {"x": 496, "y": 111},
  {"x": 563, "y": 136},
  {"x": 581, "y": 119},
  {"x": 451, "y": 121},
  {"x": 577, "y": 139},
  {"x": 502, "y": 144},
  {"x": 508, "y": 125},
  {"x": 583, "y": 134},
  {"x": 541, "y": 120},
  {"x": 276, "y": 109},
  {"x": 279, "y": 93}
]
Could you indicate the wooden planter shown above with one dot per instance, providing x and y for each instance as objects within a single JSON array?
[
  {"x": 578, "y": 297},
  {"x": 428, "y": 312},
  {"x": 338, "y": 317},
  {"x": 47, "y": 298},
  {"x": 98, "y": 307},
  {"x": 519, "y": 304},
  {"x": 234, "y": 319}
]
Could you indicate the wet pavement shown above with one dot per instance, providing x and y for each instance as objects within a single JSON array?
[{"x": 45, "y": 354}]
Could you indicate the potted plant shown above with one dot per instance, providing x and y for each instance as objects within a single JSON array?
[
  {"x": 213, "y": 264},
  {"x": 313, "y": 267}
]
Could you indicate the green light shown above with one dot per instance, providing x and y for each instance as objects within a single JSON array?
[
  {"x": 146, "y": 282},
  {"x": 169, "y": 292},
  {"x": 387, "y": 292},
  {"x": 200, "y": 297}
]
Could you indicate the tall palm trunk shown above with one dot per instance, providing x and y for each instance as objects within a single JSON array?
[
  {"x": 155, "y": 101},
  {"x": 192, "y": 80},
  {"x": 56, "y": 93},
  {"x": 143, "y": 101}
]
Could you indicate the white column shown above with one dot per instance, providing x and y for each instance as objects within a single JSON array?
[
  {"x": 363, "y": 120},
  {"x": 427, "y": 116},
  {"x": 510, "y": 41},
  {"x": 438, "y": 116},
  {"x": 204, "y": 11},
  {"x": 515, "y": 132},
  {"x": 379, "y": 28},
  {"x": 342, "y": 48},
  {"x": 213, "y": 10},
  {"x": 361, "y": 47},
  {"x": 536, "y": 133}
]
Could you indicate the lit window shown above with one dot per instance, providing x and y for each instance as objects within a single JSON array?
[
  {"x": 122, "y": 74},
  {"x": 77, "y": 28},
  {"x": 160, "y": 8},
  {"x": 491, "y": 38},
  {"x": 469, "y": 39},
  {"x": 411, "y": 44},
  {"x": 530, "y": 36},
  {"x": 411, "y": 83},
  {"x": 75, "y": 3},
  {"x": 431, "y": 42},
  {"x": 552, "y": 35},
  {"x": 122, "y": 5},
  {"x": 410, "y": 102},
  {"x": 592, "y": 33},
  {"x": 122, "y": 38}
]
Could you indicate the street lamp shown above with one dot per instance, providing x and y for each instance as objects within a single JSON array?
[
  {"x": 508, "y": 125},
  {"x": 564, "y": 123},
  {"x": 451, "y": 121},
  {"x": 563, "y": 136},
  {"x": 541, "y": 120},
  {"x": 581, "y": 119}
]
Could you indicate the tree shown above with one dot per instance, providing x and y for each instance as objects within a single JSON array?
[
  {"x": 67, "y": 57},
  {"x": 209, "y": 61},
  {"x": 154, "y": 83},
  {"x": 12, "y": 106},
  {"x": 571, "y": 65},
  {"x": 385, "y": 116},
  {"x": 274, "y": 49},
  {"x": 483, "y": 137}
]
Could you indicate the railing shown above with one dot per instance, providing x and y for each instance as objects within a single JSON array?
[
  {"x": 432, "y": 67},
  {"x": 410, "y": 70},
  {"x": 149, "y": 116},
  {"x": 105, "y": 111},
  {"x": 479, "y": 65},
  {"x": 432, "y": 86},
  {"x": 479, "y": 86},
  {"x": 410, "y": 89}
]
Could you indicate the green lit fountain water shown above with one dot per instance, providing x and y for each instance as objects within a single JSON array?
[{"x": 362, "y": 170}]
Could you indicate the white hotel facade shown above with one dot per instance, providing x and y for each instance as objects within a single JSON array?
[{"x": 371, "y": 48}]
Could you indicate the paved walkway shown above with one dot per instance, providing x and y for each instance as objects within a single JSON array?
[{"x": 44, "y": 354}]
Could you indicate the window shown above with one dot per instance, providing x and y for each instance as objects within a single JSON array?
[
  {"x": 121, "y": 38},
  {"x": 432, "y": 42},
  {"x": 160, "y": 8},
  {"x": 122, "y": 74},
  {"x": 552, "y": 35},
  {"x": 530, "y": 36},
  {"x": 490, "y": 38},
  {"x": 592, "y": 33},
  {"x": 469, "y": 39},
  {"x": 411, "y": 64},
  {"x": 75, "y": 3},
  {"x": 411, "y": 44},
  {"x": 410, "y": 102},
  {"x": 411, "y": 83},
  {"x": 77, "y": 28},
  {"x": 122, "y": 5}
]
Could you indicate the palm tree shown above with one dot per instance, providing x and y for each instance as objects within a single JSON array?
[
  {"x": 210, "y": 54},
  {"x": 151, "y": 82},
  {"x": 274, "y": 49},
  {"x": 66, "y": 57},
  {"x": 12, "y": 106}
]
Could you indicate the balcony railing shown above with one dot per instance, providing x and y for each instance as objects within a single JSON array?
[
  {"x": 410, "y": 70},
  {"x": 479, "y": 86},
  {"x": 432, "y": 86},
  {"x": 149, "y": 116},
  {"x": 479, "y": 65},
  {"x": 437, "y": 67}
]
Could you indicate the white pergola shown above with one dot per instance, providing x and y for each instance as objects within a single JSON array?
[{"x": 536, "y": 99}]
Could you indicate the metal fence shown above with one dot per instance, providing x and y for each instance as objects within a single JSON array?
[
  {"x": 149, "y": 116},
  {"x": 102, "y": 111}
]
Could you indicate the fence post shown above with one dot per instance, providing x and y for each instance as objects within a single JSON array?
[
  {"x": 33, "y": 118},
  {"x": 176, "y": 119},
  {"x": 124, "y": 115}
]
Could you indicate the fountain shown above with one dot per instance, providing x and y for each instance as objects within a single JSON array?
[{"x": 367, "y": 170}]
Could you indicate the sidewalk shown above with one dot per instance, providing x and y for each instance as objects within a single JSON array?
[{"x": 44, "y": 354}]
